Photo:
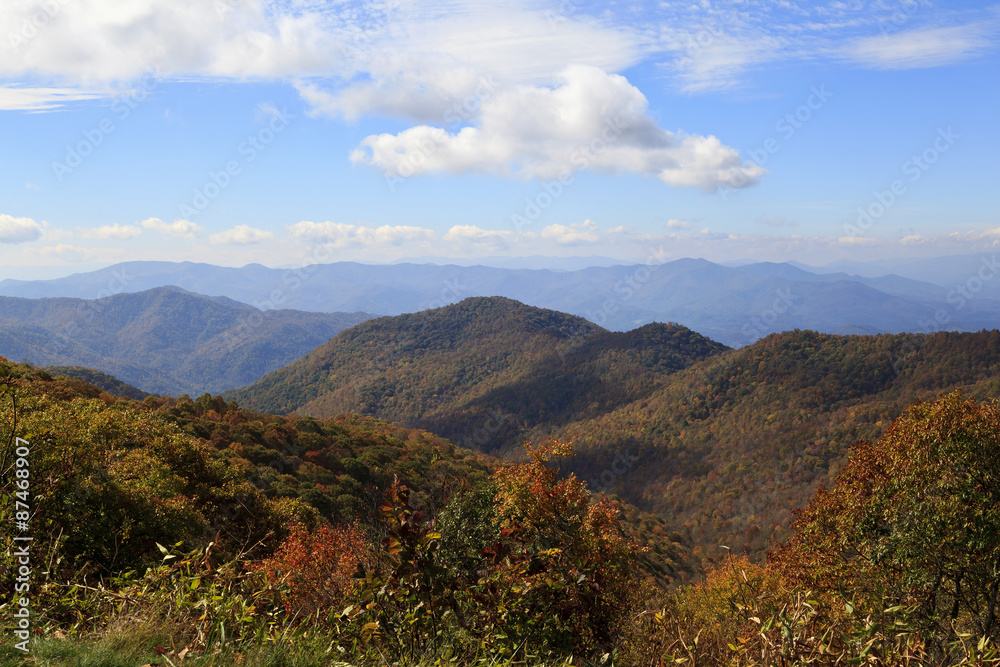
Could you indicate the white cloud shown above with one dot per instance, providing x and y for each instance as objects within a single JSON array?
[
  {"x": 115, "y": 231},
  {"x": 343, "y": 235},
  {"x": 922, "y": 47},
  {"x": 674, "y": 223},
  {"x": 857, "y": 240},
  {"x": 241, "y": 235},
  {"x": 20, "y": 230},
  {"x": 722, "y": 63},
  {"x": 66, "y": 253},
  {"x": 975, "y": 235},
  {"x": 103, "y": 41},
  {"x": 712, "y": 46},
  {"x": 430, "y": 60},
  {"x": 413, "y": 58},
  {"x": 180, "y": 228},
  {"x": 575, "y": 234},
  {"x": 489, "y": 238},
  {"x": 19, "y": 98},
  {"x": 776, "y": 221},
  {"x": 914, "y": 239},
  {"x": 590, "y": 120}
]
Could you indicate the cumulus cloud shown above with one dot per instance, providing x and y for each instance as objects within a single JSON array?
[
  {"x": 592, "y": 119},
  {"x": 241, "y": 235},
  {"x": 674, "y": 223},
  {"x": 412, "y": 59},
  {"x": 344, "y": 235},
  {"x": 434, "y": 62},
  {"x": 260, "y": 38},
  {"x": 179, "y": 228},
  {"x": 19, "y": 230},
  {"x": 115, "y": 231},
  {"x": 576, "y": 234},
  {"x": 923, "y": 47}
]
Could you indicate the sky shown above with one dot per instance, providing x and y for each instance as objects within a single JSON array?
[{"x": 288, "y": 132}]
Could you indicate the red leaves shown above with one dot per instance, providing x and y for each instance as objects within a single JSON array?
[{"x": 317, "y": 567}]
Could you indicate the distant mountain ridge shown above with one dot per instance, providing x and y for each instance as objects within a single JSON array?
[
  {"x": 484, "y": 363},
  {"x": 735, "y": 305},
  {"x": 164, "y": 340}
]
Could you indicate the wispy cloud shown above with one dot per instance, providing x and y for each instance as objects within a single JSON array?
[
  {"x": 21, "y": 98},
  {"x": 924, "y": 47}
]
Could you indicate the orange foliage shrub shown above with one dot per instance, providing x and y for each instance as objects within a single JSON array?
[{"x": 317, "y": 567}]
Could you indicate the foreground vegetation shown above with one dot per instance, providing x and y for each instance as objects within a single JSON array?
[
  {"x": 723, "y": 444},
  {"x": 175, "y": 532}
]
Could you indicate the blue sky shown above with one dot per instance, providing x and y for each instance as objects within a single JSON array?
[{"x": 238, "y": 131}]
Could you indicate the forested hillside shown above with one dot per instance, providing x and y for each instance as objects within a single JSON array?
[
  {"x": 729, "y": 447},
  {"x": 479, "y": 372},
  {"x": 164, "y": 340},
  {"x": 167, "y": 470},
  {"x": 199, "y": 532},
  {"x": 723, "y": 444}
]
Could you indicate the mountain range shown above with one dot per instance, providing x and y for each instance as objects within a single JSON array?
[
  {"x": 722, "y": 443},
  {"x": 734, "y": 305},
  {"x": 486, "y": 363},
  {"x": 164, "y": 340}
]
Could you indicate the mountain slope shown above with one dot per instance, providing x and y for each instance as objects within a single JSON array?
[
  {"x": 722, "y": 444},
  {"x": 121, "y": 476},
  {"x": 481, "y": 370},
  {"x": 730, "y": 446},
  {"x": 164, "y": 340},
  {"x": 103, "y": 381},
  {"x": 732, "y": 304}
]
